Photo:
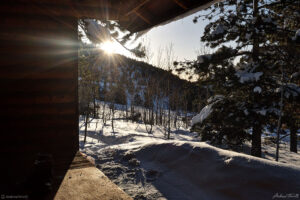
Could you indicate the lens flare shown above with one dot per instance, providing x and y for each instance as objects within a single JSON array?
[{"x": 108, "y": 47}]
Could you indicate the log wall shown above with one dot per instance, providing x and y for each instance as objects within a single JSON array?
[{"x": 38, "y": 89}]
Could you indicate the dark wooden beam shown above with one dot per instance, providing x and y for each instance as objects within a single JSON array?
[
  {"x": 89, "y": 3},
  {"x": 181, "y": 4},
  {"x": 102, "y": 11},
  {"x": 143, "y": 17},
  {"x": 137, "y": 7}
]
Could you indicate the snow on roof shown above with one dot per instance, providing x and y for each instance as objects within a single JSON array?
[{"x": 96, "y": 32}]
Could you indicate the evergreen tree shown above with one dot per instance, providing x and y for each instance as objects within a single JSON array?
[{"x": 247, "y": 74}]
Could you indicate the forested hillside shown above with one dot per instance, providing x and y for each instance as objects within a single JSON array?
[{"x": 117, "y": 79}]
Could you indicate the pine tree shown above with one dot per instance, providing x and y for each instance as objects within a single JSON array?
[{"x": 246, "y": 75}]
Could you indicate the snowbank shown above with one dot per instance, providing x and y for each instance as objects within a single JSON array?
[
  {"x": 149, "y": 167},
  {"x": 190, "y": 170}
]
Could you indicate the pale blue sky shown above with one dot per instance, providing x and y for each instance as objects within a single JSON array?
[{"x": 184, "y": 34}]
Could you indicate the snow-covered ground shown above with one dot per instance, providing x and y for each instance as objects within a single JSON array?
[{"x": 147, "y": 166}]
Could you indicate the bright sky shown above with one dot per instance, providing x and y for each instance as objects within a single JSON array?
[{"x": 183, "y": 34}]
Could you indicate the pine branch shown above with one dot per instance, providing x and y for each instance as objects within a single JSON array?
[{"x": 270, "y": 4}]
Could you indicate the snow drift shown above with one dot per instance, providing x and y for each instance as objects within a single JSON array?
[
  {"x": 190, "y": 170},
  {"x": 149, "y": 167}
]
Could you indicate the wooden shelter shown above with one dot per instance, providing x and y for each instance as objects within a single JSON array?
[{"x": 38, "y": 74}]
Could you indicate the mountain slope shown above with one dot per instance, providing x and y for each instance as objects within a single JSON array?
[{"x": 126, "y": 81}]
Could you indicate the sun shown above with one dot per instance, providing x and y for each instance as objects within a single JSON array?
[
  {"x": 111, "y": 47},
  {"x": 108, "y": 47}
]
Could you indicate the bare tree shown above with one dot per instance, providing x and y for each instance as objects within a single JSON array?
[
  {"x": 169, "y": 58},
  {"x": 147, "y": 50},
  {"x": 149, "y": 105},
  {"x": 112, "y": 110},
  {"x": 159, "y": 57}
]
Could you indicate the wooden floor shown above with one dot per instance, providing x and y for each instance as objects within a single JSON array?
[{"x": 84, "y": 181}]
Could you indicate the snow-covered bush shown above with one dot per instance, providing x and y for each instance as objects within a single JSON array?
[{"x": 222, "y": 121}]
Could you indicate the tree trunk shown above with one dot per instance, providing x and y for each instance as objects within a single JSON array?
[
  {"x": 132, "y": 113},
  {"x": 156, "y": 117},
  {"x": 175, "y": 118},
  {"x": 103, "y": 113},
  {"x": 293, "y": 136},
  {"x": 160, "y": 115},
  {"x": 86, "y": 124},
  {"x": 255, "y": 48},
  {"x": 145, "y": 116},
  {"x": 126, "y": 115},
  {"x": 152, "y": 115},
  {"x": 150, "y": 111},
  {"x": 156, "y": 113},
  {"x": 95, "y": 107},
  {"x": 280, "y": 116},
  {"x": 256, "y": 132},
  {"x": 112, "y": 118},
  {"x": 186, "y": 119},
  {"x": 256, "y": 141},
  {"x": 169, "y": 121}
]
